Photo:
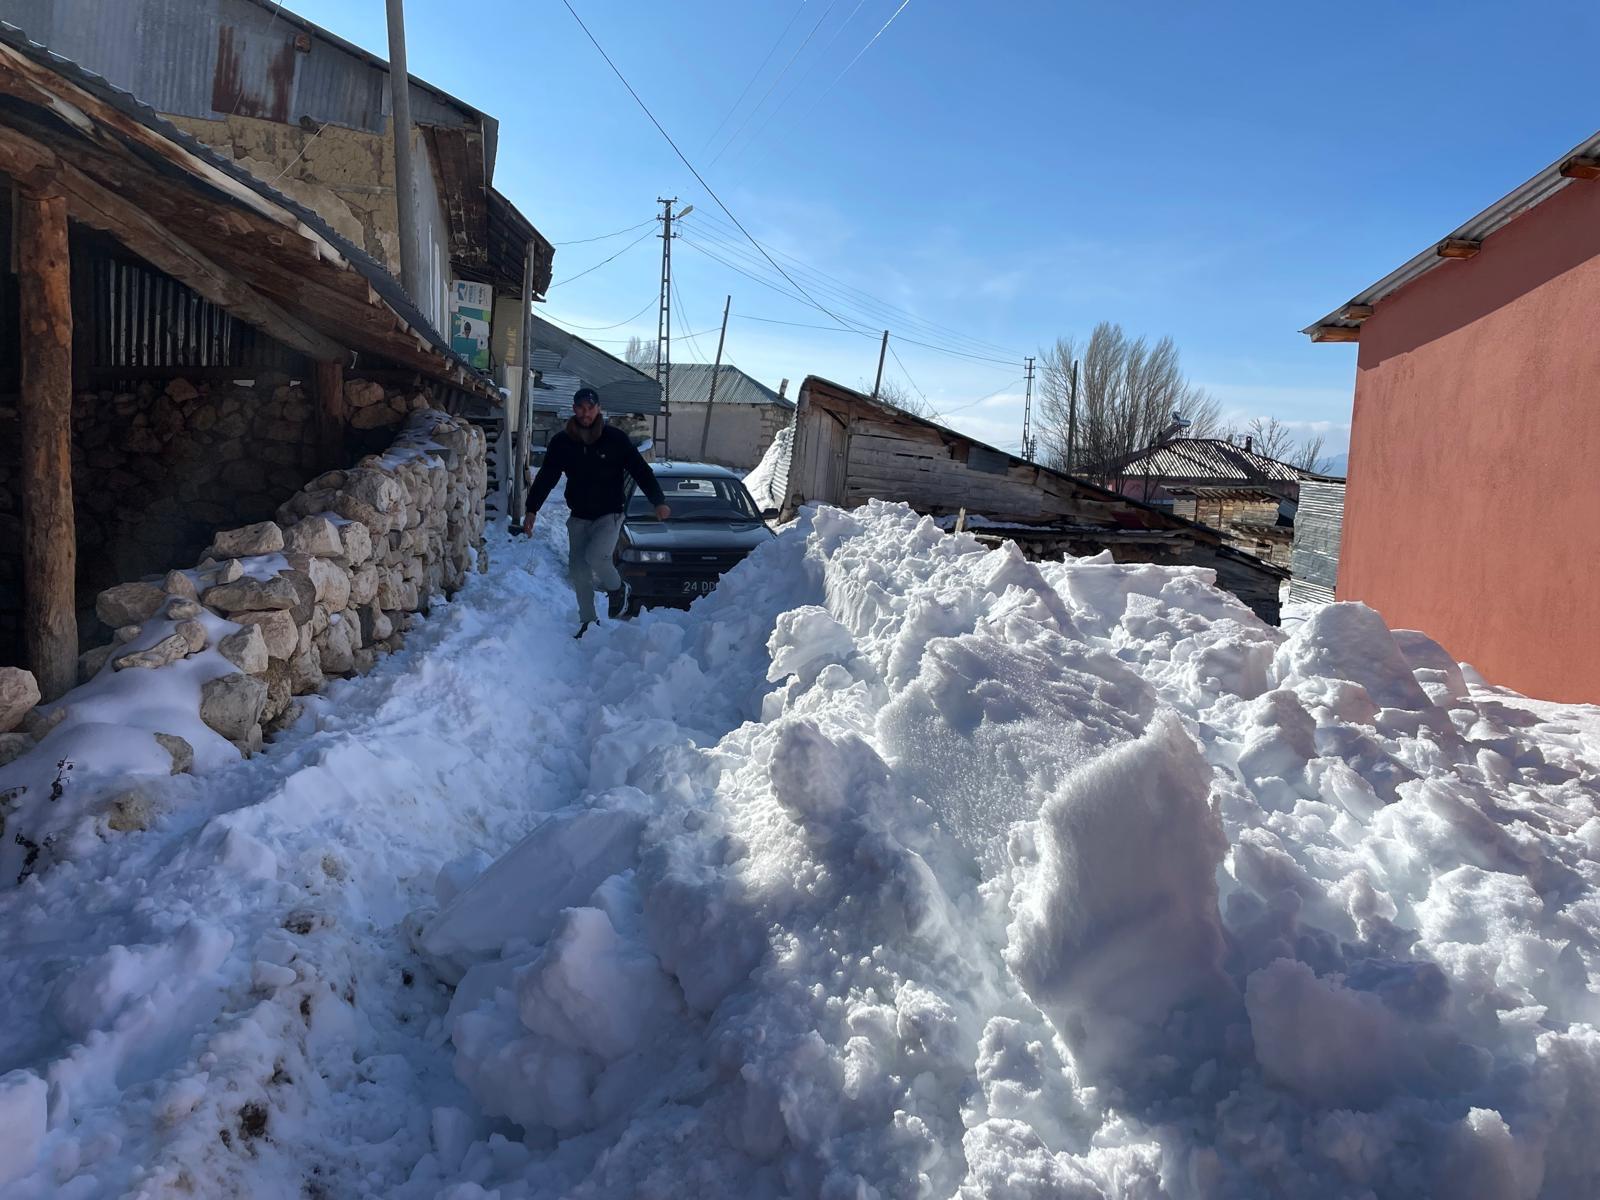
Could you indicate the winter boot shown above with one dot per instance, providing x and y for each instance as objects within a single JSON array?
[
  {"x": 617, "y": 602},
  {"x": 583, "y": 629}
]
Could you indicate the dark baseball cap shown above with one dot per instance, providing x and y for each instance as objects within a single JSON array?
[{"x": 585, "y": 395}]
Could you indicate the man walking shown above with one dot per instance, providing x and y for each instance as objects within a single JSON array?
[{"x": 593, "y": 455}]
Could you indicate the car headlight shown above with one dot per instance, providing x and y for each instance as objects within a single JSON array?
[{"x": 645, "y": 556}]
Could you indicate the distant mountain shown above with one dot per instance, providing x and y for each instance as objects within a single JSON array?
[{"x": 1335, "y": 464}]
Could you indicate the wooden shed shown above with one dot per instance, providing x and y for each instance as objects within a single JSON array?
[{"x": 849, "y": 448}]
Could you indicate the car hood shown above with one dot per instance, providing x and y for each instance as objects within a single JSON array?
[{"x": 696, "y": 535}]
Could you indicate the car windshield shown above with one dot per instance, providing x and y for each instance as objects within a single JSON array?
[{"x": 698, "y": 498}]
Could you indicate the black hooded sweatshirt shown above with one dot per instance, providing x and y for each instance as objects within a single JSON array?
[{"x": 594, "y": 461}]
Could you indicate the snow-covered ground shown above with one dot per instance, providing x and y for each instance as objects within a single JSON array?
[{"x": 897, "y": 867}]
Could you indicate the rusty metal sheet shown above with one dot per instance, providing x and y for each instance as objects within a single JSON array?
[{"x": 255, "y": 72}]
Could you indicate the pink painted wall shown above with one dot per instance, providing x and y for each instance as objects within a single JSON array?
[{"x": 1473, "y": 507}]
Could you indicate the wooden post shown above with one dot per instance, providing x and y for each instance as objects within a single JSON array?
[
  {"x": 330, "y": 413},
  {"x": 49, "y": 532}
]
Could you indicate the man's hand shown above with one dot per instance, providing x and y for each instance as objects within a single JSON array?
[
  {"x": 662, "y": 512},
  {"x": 527, "y": 524}
]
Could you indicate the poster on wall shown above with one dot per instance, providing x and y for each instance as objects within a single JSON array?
[{"x": 470, "y": 306}]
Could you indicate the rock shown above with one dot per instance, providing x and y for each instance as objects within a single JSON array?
[
  {"x": 180, "y": 609},
  {"x": 253, "y": 595},
  {"x": 332, "y": 583},
  {"x": 279, "y": 692},
  {"x": 19, "y": 692},
  {"x": 91, "y": 661},
  {"x": 178, "y": 583},
  {"x": 229, "y": 572},
  {"x": 168, "y": 650},
  {"x": 363, "y": 393},
  {"x": 376, "y": 489},
  {"x": 365, "y": 659},
  {"x": 291, "y": 713},
  {"x": 131, "y": 812},
  {"x": 305, "y": 670},
  {"x": 182, "y": 752},
  {"x": 328, "y": 481},
  {"x": 264, "y": 537},
  {"x": 336, "y": 649},
  {"x": 278, "y": 631},
  {"x": 194, "y": 634},
  {"x": 251, "y": 742},
  {"x": 14, "y": 745},
  {"x": 305, "y": 594},
  {"x": 126, "y": 633},
  {"x": 375, "y": 624},
  {"x": 246, "y": 649},
  {"x": 364, "y": 584},
  {"x": 316, "y": 536},
  {"x": 40, "y": 721},
  {"x": 181, "y": 390},
  {"x": 129, "y": 603},
  {"x": 357, "y": 543},
  {"x": 231, "y": 704}
]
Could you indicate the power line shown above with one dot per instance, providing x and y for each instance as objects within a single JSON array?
[
  {"x": 869, "y": 303},
  {"x": 603, "y": 236},
  {"x": 757, "y": 75},
  {"x": 800, "y": 82},
  {"x": 906, "y": 373},
  {"x": 648, "y": 304},
  {"x": 818, "y": 97},
  {"x": 603, "y": 262},
  {"x": 767, "y": 94},
  {"x": 685, "y": 160}
]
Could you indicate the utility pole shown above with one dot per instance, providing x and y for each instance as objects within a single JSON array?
[
  {"x": 1072, "y": 420},
  {"x": 1027, "y": 417},
  {"x": 716, "y": 370},
  {"x": 882, "y": 350},
  {"x": 405, "y": 195},
  {"x": 664, "y": 320},
  {"x": 517, "y": 476}
]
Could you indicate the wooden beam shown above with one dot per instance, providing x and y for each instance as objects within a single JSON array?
[
  {"x": 1578, "y": 167},
  {"x": 1335, "y": 333},
  {"x": 99, "y": 207},
  {"x": 331, "y": 416},
  {"x": 49, "y": 530},
  {"x": 1458, "y": 248},
  {"x": 1355, "y": 312}
]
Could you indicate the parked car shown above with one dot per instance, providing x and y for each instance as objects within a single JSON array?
[{"x": 714, "y": 524}]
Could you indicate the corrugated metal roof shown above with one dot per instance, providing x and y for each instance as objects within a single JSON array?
[
  {"x": 1208, "y": 458},
  {"x": 1318, "y": 525},
  {"x": 1503, "y": 211},
  {"x": 691, "y": 384},
  {"x": 565, "y": 362},
  {"x": 218, "y": 58},
  {"x": 385, "y": 284}
]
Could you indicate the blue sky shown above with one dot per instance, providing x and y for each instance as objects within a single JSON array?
[{"x": 1221, "y": 173}]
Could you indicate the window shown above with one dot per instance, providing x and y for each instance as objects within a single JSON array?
[{"x": 697, "y": 498}]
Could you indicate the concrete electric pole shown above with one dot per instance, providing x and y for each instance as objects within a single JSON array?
[{"x": 405, "y": 181}]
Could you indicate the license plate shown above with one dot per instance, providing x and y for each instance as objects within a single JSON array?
[{"x": 698, "y": 587}]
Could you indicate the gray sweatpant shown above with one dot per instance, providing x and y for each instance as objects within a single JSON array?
[{"x": 590, "y": 546}]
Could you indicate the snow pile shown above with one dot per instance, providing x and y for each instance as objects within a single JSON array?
[{"x": 921, "y": 870}]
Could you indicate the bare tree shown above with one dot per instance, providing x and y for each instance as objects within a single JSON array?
[
  {"x": 1308, "y": 456},
  {"x": 1129, "y": 394},
  {"x": 641, "y": 355},
  {"x": 1271, "y": 438},
  {"x": 902, "y": 397}
]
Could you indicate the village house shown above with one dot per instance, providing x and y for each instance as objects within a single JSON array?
[
  {"x": 1248, "y": 496},
  {"x": 849, "y": 448},
  {"x": 732, "y": 426},
  {"x": 297, "y": 106},
  {"x": 212, "y": 405},
  {"x": 1474, "y": 407}
]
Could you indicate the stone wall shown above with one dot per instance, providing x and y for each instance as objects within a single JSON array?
[
  {"x": 157, "y": 469},
  {"x": 320, "y": 590}
]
